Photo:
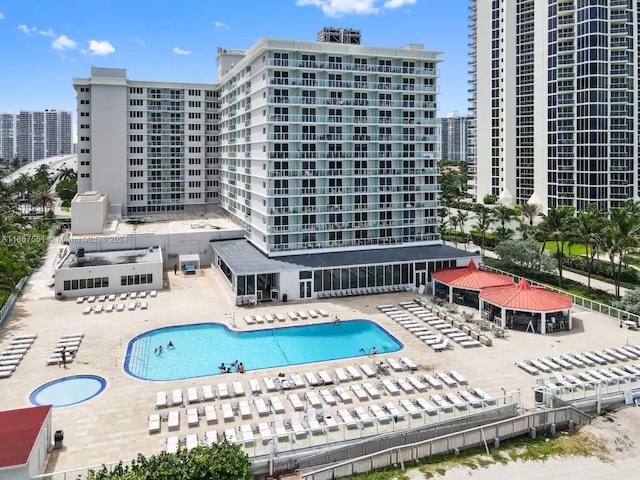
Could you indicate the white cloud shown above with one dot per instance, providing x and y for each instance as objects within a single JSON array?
[
  {"x": 179, "y": 51},
  {"x": 338, "y": 8},
  {"x": 391, "y": 4},
  {"x": 1, "y": 16},
  {"x": 139, "y": 41},
  {"x": 47, "y": 33},
  {"x": 63, "y": 43},
  {"x": 219, "y": 24},
  {"x": 101, "y": 48},
  {"x": 26, "y": 30}
]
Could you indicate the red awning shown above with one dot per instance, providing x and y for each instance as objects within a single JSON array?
[
  {"x": 525, "y": 297},
  {"x": 471, "y": 277}
]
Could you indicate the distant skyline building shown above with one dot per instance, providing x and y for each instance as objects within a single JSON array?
[
  {"x": 34, "y": 135},
  {"x": 554, "y": 96},
  {"x": 454, "y": 133}
]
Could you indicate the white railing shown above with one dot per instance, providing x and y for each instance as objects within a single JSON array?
[{"x": 11, "y": 301}]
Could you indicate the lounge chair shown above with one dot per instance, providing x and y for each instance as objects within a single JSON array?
[
  {"x": 311, "y": 379},
  {"x": 191, "y": 441},
  {"x": 143, "y": 294},
  {"x": 245, "y": 409},
  {"x": 409, "y": 364},
  {"x": 207, "y": 393},
  {"x": 312, "y": 420},
  {"x": 210, "y": 414},
  {"x": 259, "y": 319},
  {"x": 279, "y": 317},
  {"x": 108, "y": 308},
  {"x": 313, "y": 314},
  {"x": 346, "y": 418},
  {"x": 87, "y": 310},
  {"x": 91, "y": 299},
  {"x": 371, "y": 390},
  {"x": 394, "y": 365},
  {"x": 442, "y": 346},
  {"x": 353, "y": 373},
  {"x": 261, "y": 407},
  {"x": 296, "y": 425},
  {"x": 293, "y": 315},
  {"x": 327, "y": 397},
  {"x": 102, "y": 298},
  {"x": 172, "y": 444},
  {"x": 367, "y": 370},
  {"x": 173, "y": 422},
  {"x": 363, "y": 416},
  {"x": 153, "y": 293},
  {"x": 120, "y": 307},
  {"x": 456, "y": 401},
  {"x": 303, "y": 315},
  {"x": 296, "y": 380},
  {"x": 343, "y": 394},
  {"x": 269, "y": 384},
  {"x": 210, "y": 438},
  {"x": 458, "y": 378},
  {"x": 446, "y": 379},
  {"x": 161, "y": 400},
  {"x": 341, "y": 375},
  {"x": 80, "y": 300},
  {"x": 265, "y": 432},
  {"x": 247, "y": 434},
  {"x": 227, "y": 412},
  {"x": 276, "y": 405},
  {"x": 417, "y": 384},
  {"x": 154, "y": 423},
  {"x": 441, "y": 403},
  {"x": 192, "y": 417},
  {"x": 133, "y": 295},
  {"x": 410, "y": 408},
  {"x": 360, "y": 394},
  {"x": 390, "y": 387},
  {"x": 238, "y": 389},
  {"x": 112, "y": 297},
  {"x": 192, "y": 395},
  {"x": 278, "y": 426},
  {"x": 377, "y": 412},
  {"x": 295, "y": 401},
  {"x": 328, "y": 419},
  {"x": 323, "y": 313},
  {"x": 405, "y": 386},
  {"x": 269, "y": 318},
  {"x": 426, "y": 406},
  {"x": 223, "y": 391},
  {"x": 230, "y": 434},
  {"x": 132, "y": 306},
  {"x": 254, "y": 386},
  {"x": 176, "y": 397},
  {"x": 144, "y": 305},
  {"x": 123, "y": 296},
  {"x": 313, "y": 399},
  {"x": 249, "y": 320}
]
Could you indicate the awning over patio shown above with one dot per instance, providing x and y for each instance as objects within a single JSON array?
[
  {"x": 189, "y": 259},
  {"x": 471, "y": 278},
  {"x": 525, "y": 297}
]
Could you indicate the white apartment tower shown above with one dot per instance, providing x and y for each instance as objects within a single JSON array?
[
  {"x": 554, "y": 95},
  {"x": 152, "y": 146},
  {"x": 454, "y": 128},
  {"x": 329, "y": 145},
  {"x": 34, "y": 135}
]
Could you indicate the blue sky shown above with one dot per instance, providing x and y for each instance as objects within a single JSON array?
[{"x": 45, "y": 43}]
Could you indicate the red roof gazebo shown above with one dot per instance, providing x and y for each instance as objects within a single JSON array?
[
  {"x": 469, "y": 278},
  {"x": 529, "y": 300}
]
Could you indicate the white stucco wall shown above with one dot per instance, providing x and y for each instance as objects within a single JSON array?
[{"x": 87, "y": 215}]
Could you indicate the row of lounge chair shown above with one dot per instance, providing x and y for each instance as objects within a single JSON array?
[
  {"x": 115, "y": 307},
  {"x": 278, "y": 317},
  {"x": 417, "y": 327},
  {"x": 70, "y": 343},
  {"x": 589, "y": 378},
  {"x": 112, "y": 297},
  {"x": 318, "y": 421},
  {"x": 13, "y": 354},
  {"x": 350, "y": 292},
  {"x": 580, "y": 360}
]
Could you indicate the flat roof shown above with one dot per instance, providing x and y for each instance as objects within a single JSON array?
[
  {"x": 244, "y": 258},
  {"x": 119, "y": 257},
  {"x": 177, "y": 223},
  {"x": 20, "y": 429}
]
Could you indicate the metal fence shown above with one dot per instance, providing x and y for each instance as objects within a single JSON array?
[
  {"x": 11, "y": 301},
  {"x": 577, "y": 300},
  {"x": 475, "y": 437}
]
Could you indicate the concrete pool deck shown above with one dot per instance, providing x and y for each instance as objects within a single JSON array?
[{"x": 113, "y": 426}]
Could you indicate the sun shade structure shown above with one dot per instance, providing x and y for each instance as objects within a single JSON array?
[
  {"x": 461, "y": 285},
  {"x": 189, "y": 260},
  {"x": 540, "y": 308}
]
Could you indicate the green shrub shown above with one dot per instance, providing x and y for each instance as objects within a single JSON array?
[
  {"x": 602, "y": 269},
  {"x": 490, "y": 199},
  {"x": 490, "y": 239}
]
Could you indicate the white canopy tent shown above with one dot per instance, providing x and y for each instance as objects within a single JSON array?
[{"x": 189, "y": 259}]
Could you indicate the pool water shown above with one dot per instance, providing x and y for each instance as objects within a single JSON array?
[
  {"x": 67, "y": 391},
  {"x": 199, "y": 349}
]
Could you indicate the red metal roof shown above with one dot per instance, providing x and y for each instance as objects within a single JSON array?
[
  {"x": 525, "y": 297},
  {"x": 471, "y": 277},
  {"x": 19, "y": 430}
]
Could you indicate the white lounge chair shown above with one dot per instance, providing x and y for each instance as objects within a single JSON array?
[
  {"x": 363, "y": 416},
  {"x": 328, "y": 419},
  {"x": 238, "y": 389},
  {"x": 173, "y": 421},
  {"x": 210, "y": 438},
  {"x": 278, "y": 426},
  {"x": 409, "y": 363},
  {"x": 313, "y": 399},
  {"x": 102, "y": 298},
  {"x": 293, "y": 315},
  {"x": 172, "y": 444},
  {"x": 360, "y": 394},
  {"x": 261, "y": 407},
  {"x": 91, "y": 299},
  {"x": 353, "y": 373},
  {"x": 295, "y": 401},
  {"x": 80, "y": 300},
  {"x": 327, "y": 397},
  {"x": 367, "y": 370},
  {"x": 249, "y": 320},
  {"x": 377, "y": 412},
  {"x": 245, "y": 409},
  {"x": 223, "y": 391},
  {"x": 193, "y": 419},
  {"x": 120, "y": 307},
  {"x": 269, "y": 318},
  {"x": 191, "y": 441},
  {"x": 154, "y": 423},
  {"x": 87, "y": 310},
  {"x": 323, "y": 313},
  {"x": 341, "y": 375},
  {"x": 410, "y": 408},
  {"x": 108, "y": 308},
  {"x": 247, "y": 434},
  {"x": 144, "y": 305},
  {"x": 279, "y": 317},
  {"x": 405, "y": 386},
  {"x": 269, "y": 384},
  {"x": 210, "y": 414},
  {"x": 394, "y": 365},
  {"x": 312, "y": 421},
  {"x": 227, "y": 412},
  {"x": 296, "y": 380},
  {"x": 325, "y": 378},
  {"x": 176, "y": 397},
  {"x": 230, "y": 434},
  {"x": 153, "y": 293},
  {"x": 390, "y": 387},
  {"x": 371, "y": 390},
  {"x": 311, "y": 379},
  {"x": 254, "y": 386},
  {"x": 112, "y": 297},
  {"x": 192, "y": 395},
  {"x": 276, "y": 404},
  {"x": 132, "y": 306},
  {"x": 303, "y": 315},
  {"x": 343, "y": 394},
  {"x": 346, "y": 418},
  {"x": 259, "y": 319},
  {"x": 161, "y": 400},
  {"x": 207, "y": 393},
  {"x": 313, "y": 314},
  {"x": 265, "y": 432},
  {"x": 296, "y": 425},
  {"x": 133, "y": 295},
  {"x": 123, "y": 296}
]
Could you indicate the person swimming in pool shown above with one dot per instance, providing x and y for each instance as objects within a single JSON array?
[
  {"x": 170, "y": 344},
  {"x": 222, "y": 368},
  {"x": 374, "y": 351}
]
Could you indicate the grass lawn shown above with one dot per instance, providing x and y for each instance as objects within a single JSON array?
[{"x": 575, "y": 249}]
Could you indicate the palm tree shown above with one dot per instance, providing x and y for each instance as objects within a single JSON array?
[
  {"x": 529, "y": 212},
  {"x": 588, "y": 229},
  {"x": 67, "y": 174},
  {"x": 504, "y": 233},
  {"x": 559, "y": 226},
  {"x": 463, "y": 216},
  {"x": 503, "y": 214},
  {"x": 626, "y": 224},
  {"x": 482, "y": 225},
  {"x": 43, "y": 198},
  {"x": 42, "y": 174},
  {"x": 454, "y": 221}
]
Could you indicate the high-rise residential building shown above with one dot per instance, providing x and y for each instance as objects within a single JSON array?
[
  {"x": 152, "y": 146},
  {"x": 556, "y": 122},
  {"x": 8, "y": 136},
  {"x": 454, "y": 130},
  {"x": 34, "y": 135}
]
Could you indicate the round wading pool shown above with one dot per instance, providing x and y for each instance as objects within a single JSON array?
[{"x": 67, "y": 391}]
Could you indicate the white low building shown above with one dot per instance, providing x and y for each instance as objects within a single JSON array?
[{"x": 101, "y": 273}]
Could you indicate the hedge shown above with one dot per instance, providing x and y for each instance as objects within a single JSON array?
[{"x": 602, "y": 269}]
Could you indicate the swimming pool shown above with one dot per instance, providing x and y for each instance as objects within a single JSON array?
[
  {"x": 201, "y": 348},
  {"x": 67, "y": 391}
]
